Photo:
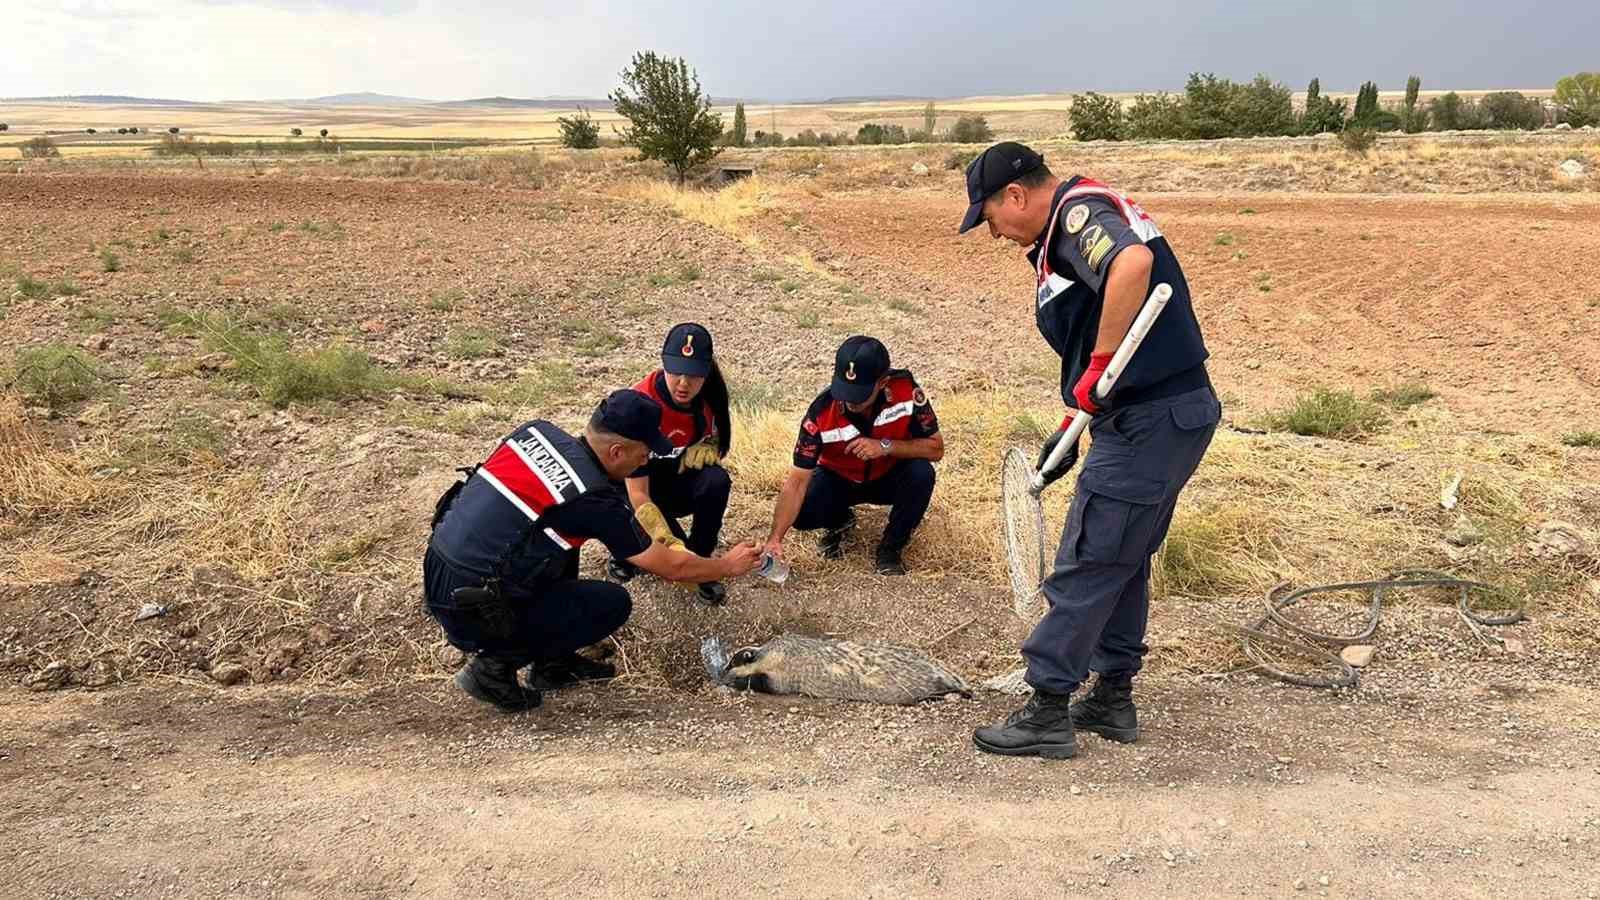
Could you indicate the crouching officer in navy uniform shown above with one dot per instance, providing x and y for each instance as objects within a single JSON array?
[
  {"x": 501, "y": 572},
  {"x": 1096, "y": 255},
  {"x": 871, "y": 437},
  {"x": 689, "y": 479}
]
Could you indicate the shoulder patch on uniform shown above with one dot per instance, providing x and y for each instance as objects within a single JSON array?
[
  {"x": 809, "y": 426},
  {"x": 919, "y": 397},
  {"x": 1076, "y": 216},
  {"x": 1094, "y": 244}
]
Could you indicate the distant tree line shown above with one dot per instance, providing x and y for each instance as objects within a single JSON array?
[{"x": 1211, "y": 107}]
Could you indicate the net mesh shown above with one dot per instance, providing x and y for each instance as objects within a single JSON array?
[{"x": 1023, "y": 520}]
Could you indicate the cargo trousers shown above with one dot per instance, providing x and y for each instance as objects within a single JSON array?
[{"x": 1098, "y": 594}]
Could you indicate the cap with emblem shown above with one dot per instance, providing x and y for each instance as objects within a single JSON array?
[
  {"x": 857, "y": 366},
  {"x": 687, "y": 350},
  {"x": 634, "y": 416},
  {"x": 995, "y": 168}
]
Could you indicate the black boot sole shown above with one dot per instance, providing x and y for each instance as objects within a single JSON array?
[
  {"x": 469, "y": 685},
  {"x": 1120, "y": 735},
  {"x": 1047, "y": 751}
]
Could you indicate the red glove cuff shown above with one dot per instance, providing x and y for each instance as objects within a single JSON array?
[{"x": 1083, "y": 392}]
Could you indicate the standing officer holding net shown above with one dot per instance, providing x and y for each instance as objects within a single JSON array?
[{"x": 1095, "y": 255}]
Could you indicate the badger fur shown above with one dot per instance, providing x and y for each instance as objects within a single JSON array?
[{"x": 842, "y": 670}]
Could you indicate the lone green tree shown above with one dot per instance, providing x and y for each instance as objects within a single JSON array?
[
  {"x": 579, "y": 132},
  {"x": 669, "y": 118},
  {"x": 740, "y": 127},
  {"x": 930, "y": 119},
  {"x": 1412, "y": 119},
  {"x": 1578, "y": 96},
  {"x": 1366, "y": 103}
]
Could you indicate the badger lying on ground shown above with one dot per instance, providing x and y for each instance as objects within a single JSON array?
[{"x": 842, "y": 670}]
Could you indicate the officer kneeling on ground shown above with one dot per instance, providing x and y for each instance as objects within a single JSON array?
[
  {"x": 1095, "y": 256},
  {"x": 689, "y": 480},
  {"x": 872, "y": 437},
  {"x": 501, "y": 572}
]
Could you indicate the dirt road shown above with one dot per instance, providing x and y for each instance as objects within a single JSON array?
[{"x": 1239, "y": 788}]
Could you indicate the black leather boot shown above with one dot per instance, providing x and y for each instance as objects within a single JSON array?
[
  {"x": 1108, "y": 710},
  {"x": 711, "y": 593},
  {"x": 831, "y": 544},
  {"x": 554, "y": 674},
  {"x": 495, "y": 682},
  {"x": 888, "y": 561},
  {"x": 1043, "y": 727}
]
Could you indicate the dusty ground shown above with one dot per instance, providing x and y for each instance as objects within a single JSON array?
[
  {"x": 1238, "y": 789},
  {"x": 285, "y": 541}
]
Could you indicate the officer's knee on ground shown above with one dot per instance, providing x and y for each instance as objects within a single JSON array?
[
  {"x": 612, "y": 607},
  {"x": 919, "y": 475}
]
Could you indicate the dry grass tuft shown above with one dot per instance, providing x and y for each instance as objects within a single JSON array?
[{"x": 727, "y": 210}]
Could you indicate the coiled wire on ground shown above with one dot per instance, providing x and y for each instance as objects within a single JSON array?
[{"x": 1311, "y": 641}]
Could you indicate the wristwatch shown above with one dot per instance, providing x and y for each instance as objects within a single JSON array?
[{"x": 884, "y": 443}]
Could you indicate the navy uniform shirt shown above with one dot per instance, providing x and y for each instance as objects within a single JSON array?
[
  {"x": 1090, "y": 225},
  {"x": 482, "y": 535}
]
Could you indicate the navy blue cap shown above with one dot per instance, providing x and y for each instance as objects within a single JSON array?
[
  {"x": 687, "y": 350},
  {"x": 634, "y": 416},
  {"x": 995, "y": 168},
  {"x": 857, "y": 366}
]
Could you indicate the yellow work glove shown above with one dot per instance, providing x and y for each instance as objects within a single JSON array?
[
  {"x": 699, "y": 455},
  {"x": 654, "y": 523}
]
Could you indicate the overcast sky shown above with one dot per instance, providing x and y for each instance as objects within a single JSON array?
[{"x": 453, "y": 49}]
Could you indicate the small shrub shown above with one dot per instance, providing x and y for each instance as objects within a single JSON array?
[
  {"x": 446, "y": 300},
  {"x": 958, "y": 160},
  {"x": 1155, "y": 117},
  {"x": 1328, "y": 413},
  {"x": 1224, "y": 239},
  {"x": 1096, "y": 117},
  {"x": 32, "y": 288},
  {"x": 65, "y": 288},
  {"x": 807, "y": 318},
  {"x": 789, "y": 286},
  {"x": 54, "y": 375},
  {"x": 902, "y": 305},
  {"x": 537, "y": 388},
  {"x": 183, "y": 255},
  {"x": 472, "y": 343},
  {"x": 873, "y": 134},
  {"x": 110, "y": 262},
  {"x": 93, "y": 318},
  {"x": 1509, "y": 110},
  {"x": 1582, "y": 439},
  {"x": 1358, "y": 140},
  {"x": 39, "y": 148},
  {"x": 971, "y": 130},
  {"x": 579, "y": 132},
  {"x": 282, "y": 376},
  {"x": 1404, "y": 395},
  {"x": 690, "y": 272}
]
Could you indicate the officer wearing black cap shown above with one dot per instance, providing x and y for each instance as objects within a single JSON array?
[
  {"x": 871, "y": 437},
  {"x": 687, "y": 480},
  {"x": 1095, "y": 255},
  {"x": 501, "y": 571}
]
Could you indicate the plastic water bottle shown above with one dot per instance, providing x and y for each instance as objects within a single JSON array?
[{"x": 773, "y": 569}]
